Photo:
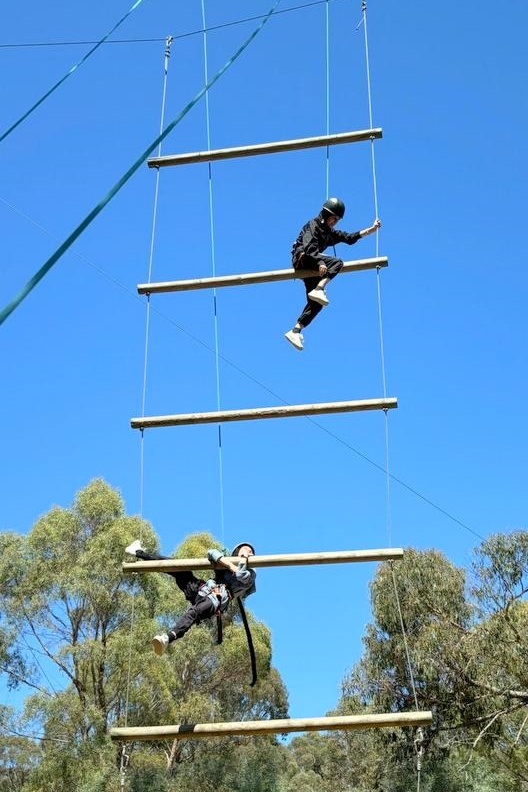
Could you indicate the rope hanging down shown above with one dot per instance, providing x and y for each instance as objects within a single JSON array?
[
  {"x": 37, "y": 277},
  {"x": 213, "y": 267},
  {"x": 327, "y": 93},
  {"x": 378, "y": 277},
  {"x": 168, "y": 43},
  {"x": 378, "y": 284},
  {"x": 124, "y": 756},
  {"x": 68, "y": 74},
  {"x": 419, "y": 737},
  {"x": 249, "y": 638}
]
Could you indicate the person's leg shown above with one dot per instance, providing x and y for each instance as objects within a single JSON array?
[
  {"x": 333, "y": 266},
  {"x": 310, "y": 311},
  {"x": 185, "y": 581},
  {"x": 203, "y": 608}
]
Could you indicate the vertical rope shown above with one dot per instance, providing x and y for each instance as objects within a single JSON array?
[
  {"x": 168, "y": 42},
  {"x": 378, "y": 279},
  {"x": 213, "y": 266},
  {"x": 369, "y": 92},
  {"x": 419, "y": 738},
  {"x": 419, "y": 734},
  {"x": 327, "y": 31},
  {"x": 404, "y": 633}
]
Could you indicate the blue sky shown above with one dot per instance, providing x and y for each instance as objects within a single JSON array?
[{"x": 449, "y": 91}]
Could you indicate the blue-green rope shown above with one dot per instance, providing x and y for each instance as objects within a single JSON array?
[
  {"x": 37, "y": 277},
  {"x": 63, "y": 79}
]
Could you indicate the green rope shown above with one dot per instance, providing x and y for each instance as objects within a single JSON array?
[
  {"x": 37, "y": 277},
  {"x": 63, "y": 79}
]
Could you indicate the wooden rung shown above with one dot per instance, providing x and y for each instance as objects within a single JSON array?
[
  {"x": 264, "y": 148},
  {"x": 248, "y": 278},
  {"x": 259, "y": 413},
  {"x": 185, "y": 731},
  {"x": 265, "y": 561}
]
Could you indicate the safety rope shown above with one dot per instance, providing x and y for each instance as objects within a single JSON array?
[
  {"x": 168, "y": 41},
  {"x": 213, "y": 267},
  {"x": 419, "y": 734},
  {"x": 327, "y": 94},
  {"x": 378, "y": 278},
  {"x": 57, "y": 255},
  {"x": 68, "y": 74},
  {"x": 188, "y": 34},
  {"x": 249, "y": 638}
]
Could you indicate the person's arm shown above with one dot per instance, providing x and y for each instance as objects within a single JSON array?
[
  {"x": 371, "y": 229},
  {"x": 240, "y": 570},
  {"x": 345, "y": 236},
  {"x": 351, "y": 239}
]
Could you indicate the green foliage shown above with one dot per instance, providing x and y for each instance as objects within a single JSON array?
[
  {"x": 77, "y": 632},
  {"x": 18, "y": 756}
]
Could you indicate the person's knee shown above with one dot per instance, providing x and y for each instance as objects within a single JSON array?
[{"x": 335, "y": 267}]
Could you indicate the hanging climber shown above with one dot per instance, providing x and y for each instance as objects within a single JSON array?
[
  {"x": 314, "y": 237},
  {"x": 207, "y": 597}
]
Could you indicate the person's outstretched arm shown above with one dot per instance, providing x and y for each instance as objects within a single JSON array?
[
  {"x": 240, "y": 570},
  {"x": 351, "y": 239}
]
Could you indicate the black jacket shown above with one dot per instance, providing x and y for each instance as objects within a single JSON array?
[
  {"x": 315, "y": 236},
  {"x": 241, "y": 584}
]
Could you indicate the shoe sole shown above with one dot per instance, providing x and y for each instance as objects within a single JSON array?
[
  {"x": 158, "y": 647},
  {"x": 324, "y": 303}
]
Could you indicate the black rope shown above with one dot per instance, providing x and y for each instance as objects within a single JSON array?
[
  {"x": 219, "y": 628},
  {"x": 30, "y": 44},
  {"x": 250, "y": 643}
]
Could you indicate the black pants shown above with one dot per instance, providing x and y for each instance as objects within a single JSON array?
[
  {"x": 201, "y": 607},
  {"x": 333, "y": 266}
]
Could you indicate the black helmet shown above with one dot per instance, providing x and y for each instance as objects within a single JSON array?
[
  {"x": 335, "y": 207},
  {"x": 237, "y": 547}
]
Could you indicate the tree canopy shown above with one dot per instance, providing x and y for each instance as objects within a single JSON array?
[{"x": 75, "y": 638}]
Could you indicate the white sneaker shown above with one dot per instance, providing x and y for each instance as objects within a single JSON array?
[
  {"x": 132, "y": 548},
  {"x": 160, "y": 643},
  {"x": 319, "y": 296},
  {"x": 295, "y": 339}
]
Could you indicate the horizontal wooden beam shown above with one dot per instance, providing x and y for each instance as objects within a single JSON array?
[
  {"x": 249, "y": 278},
  {"x": 185, "y": 731},
  {"x": 259, "y": 413},
  {"x": 264, "y": 148},
  {"x": 265, "y": 561}
]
